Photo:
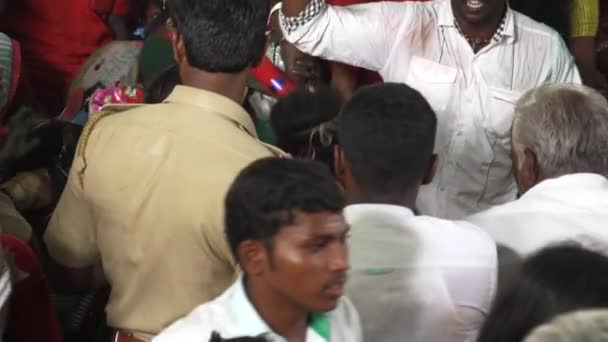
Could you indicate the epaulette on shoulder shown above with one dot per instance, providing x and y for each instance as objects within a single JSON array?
[{"x": 94, "y": 119}]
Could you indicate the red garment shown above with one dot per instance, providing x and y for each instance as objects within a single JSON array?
[
  {"x": 56, "y": 37},
  {"x": 363, "y": 76},
  {"x": 31, "y": 316}
]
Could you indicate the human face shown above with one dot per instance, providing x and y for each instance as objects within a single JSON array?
[
  {"x": 309, "y": 261},
  {"x": 478, "y": 13},
  {"x": 152, "y": 11}
]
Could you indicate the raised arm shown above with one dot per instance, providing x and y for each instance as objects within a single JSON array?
[{"x": 360, "y": 35}]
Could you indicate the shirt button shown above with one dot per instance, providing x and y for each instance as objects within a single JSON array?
[
  {"x": 442, "y": 189},
  {"x": 459, "y": 133},
  {"x": 468, "y": 100}
]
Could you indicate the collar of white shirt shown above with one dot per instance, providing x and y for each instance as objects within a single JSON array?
[
  {"x": 568, "y": 184},
  {"x": 446, "y": 18},
  {"x": 249, "y": 323},
  {"x": 372, "y": 212}
]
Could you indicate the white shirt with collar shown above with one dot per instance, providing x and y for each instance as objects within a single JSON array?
[
  {"x": 473, "y": 94},
  {"x": 232, "y": 315},
  {"x": 418, "y": 278},
  {"x": 568, "y": 208}
]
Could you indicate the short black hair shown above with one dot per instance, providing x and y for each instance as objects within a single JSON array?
[
  {"x": 220, "y": 35},
  {"x": 303, "y": 121},
  {"x": 159, "y": 89},
  {"x": 267, "y": 194},
  {"x": 387, "y": 132},
  {"x": 556, "y": 280}
]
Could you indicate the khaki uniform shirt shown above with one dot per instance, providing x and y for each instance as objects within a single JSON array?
[{"x": 146, "y": 194}]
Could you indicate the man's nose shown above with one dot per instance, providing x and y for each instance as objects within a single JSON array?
[{"x": 338, "y": 258}]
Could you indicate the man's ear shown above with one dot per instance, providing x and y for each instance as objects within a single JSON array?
[
  {"x": 528, "y": 170},
  {"x": 431, "y": 170},
  {"x": 179, "y": 48},
  {"x": 253, "y": 257},
  {"x": 340, "y": 167}
]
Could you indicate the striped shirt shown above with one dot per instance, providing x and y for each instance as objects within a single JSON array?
[{"x": 585, "y": 18}]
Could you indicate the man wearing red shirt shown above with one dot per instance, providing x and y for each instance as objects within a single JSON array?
[{"x": 57, "y": 36}]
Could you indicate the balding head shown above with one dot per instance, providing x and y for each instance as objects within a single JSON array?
[{"x": 559, "y": 129}]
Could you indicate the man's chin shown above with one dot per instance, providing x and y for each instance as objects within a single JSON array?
[{"x": 327, "y": 305}]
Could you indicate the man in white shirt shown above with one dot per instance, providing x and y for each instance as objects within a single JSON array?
[
  {"x": 560, "y": 155},
  {"x": 285, "y": 228},
  {"x": 471, "y": 59},
  {"x": 414, "y": 278}
]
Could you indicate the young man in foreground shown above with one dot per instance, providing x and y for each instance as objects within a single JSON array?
[{"x": 285, "y": 228}]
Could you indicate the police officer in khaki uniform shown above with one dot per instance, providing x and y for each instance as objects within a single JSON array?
[{"x": 144, "y": 199}]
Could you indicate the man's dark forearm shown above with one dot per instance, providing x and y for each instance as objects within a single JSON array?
[
  {"x": 118, "y": 24},
  {"x": 292, "y": 8}
]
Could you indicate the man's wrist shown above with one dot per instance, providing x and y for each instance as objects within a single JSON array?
[{"x": 291, "y": 20}]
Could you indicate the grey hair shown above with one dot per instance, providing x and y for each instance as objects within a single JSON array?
[
  {"x": 566, "y": 126},
  {"x": 580, "y": 326}
]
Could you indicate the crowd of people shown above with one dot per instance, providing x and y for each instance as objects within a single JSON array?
[{"x": 303, "y": 170}]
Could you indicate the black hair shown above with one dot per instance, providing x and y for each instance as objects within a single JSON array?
[
  {"x": 303, "y": 123},
  {"x": 556, "y": 280},
  {"x": 219, "y": 35},
  {"x": 553, "y": 13},
  {"x": 267, "y": 195},
  {"x": 158, "y": 90},
  {"x": 387, "y": 132}
]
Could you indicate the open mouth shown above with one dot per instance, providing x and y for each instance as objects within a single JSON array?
[{"x": 475, "y": 4}]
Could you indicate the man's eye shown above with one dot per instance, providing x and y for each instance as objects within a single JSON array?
[{"x": 317, "y": 246}]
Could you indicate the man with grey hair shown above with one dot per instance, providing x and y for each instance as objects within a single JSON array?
[
  {"x": 560, "y": 161},
  {"x": 579, "y": 326}
]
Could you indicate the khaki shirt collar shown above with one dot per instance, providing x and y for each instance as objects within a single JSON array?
[{"x": 214, "y": 103}]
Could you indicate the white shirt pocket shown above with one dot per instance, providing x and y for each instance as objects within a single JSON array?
[
  {"x": 433, "y": 80},
  {"x": 499, "y": 111}
]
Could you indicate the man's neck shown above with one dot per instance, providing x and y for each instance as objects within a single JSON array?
[
  {"x": 484, "y": 30},
  {"x": 282, "y": 316},
  {"x": 231, "y": 86},
  {"x": 407, "y": 199}
]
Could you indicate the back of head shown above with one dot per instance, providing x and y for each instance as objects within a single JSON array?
[
  {"x": 267, "y": 194},
  {"x": 558, "y": 279},
  {"x": 387, "y": 132},
  {"x": 565, "y": 125},
  {"x": 221, "y": 36},
  {"x": 303, "y": 122},
  {"x": 580, "y": 326}
]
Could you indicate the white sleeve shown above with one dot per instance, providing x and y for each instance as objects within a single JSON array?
[
  {"x": 360, "y": 35},
  {"x": 564, "y": 69}
]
